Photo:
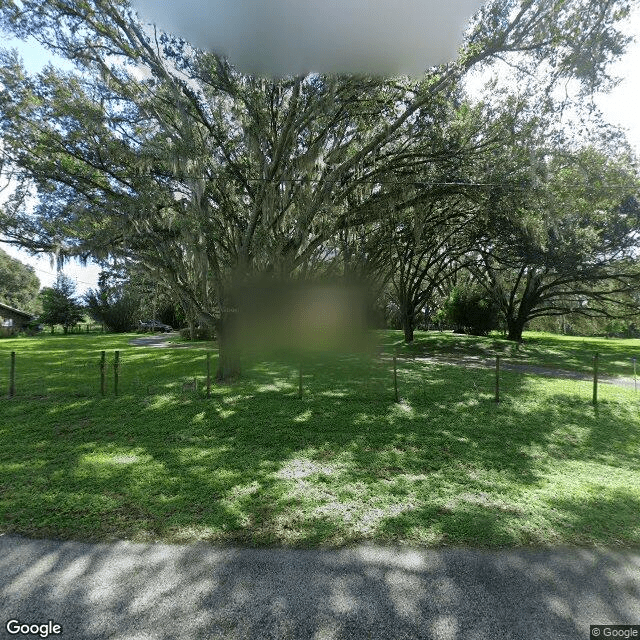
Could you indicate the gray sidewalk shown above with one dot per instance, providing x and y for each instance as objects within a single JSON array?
[{"x": 131, "y": 591}]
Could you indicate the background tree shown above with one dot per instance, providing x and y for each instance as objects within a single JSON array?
[
  {"x": 112, "y": 305},
  {"x": 59, "y": 305},
  {"x": 470, "y": 309},
  {"x": 126, "y": 295},
  {"x": 19, "y": 284},
  {"x": 567, "y": 245}
]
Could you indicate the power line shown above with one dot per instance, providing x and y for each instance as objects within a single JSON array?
[{"x": 49, "y": 273}]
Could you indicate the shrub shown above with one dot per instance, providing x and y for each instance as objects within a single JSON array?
[
  {"x": 201, "y": 333},
  {"x": 470, "y": 310},
  {"x": 117, "y": 313}
]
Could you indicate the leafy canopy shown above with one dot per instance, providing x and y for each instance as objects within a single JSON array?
[{"x": 19, "y": 284}]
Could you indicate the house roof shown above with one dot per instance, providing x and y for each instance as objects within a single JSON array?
[{"x": 6, "y": 307}]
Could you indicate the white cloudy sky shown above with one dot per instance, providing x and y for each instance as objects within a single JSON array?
[{"x": 620, "y": 106}]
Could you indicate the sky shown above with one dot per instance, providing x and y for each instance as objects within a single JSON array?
[{"x": 620, "y": 107}]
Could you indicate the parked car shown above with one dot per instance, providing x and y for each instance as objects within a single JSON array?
[{"x": 154, "y": 325}]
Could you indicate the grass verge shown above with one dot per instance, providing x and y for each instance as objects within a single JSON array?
[
  {"x": 256, "y": 465},
  {"x": 540, "y": 349}
]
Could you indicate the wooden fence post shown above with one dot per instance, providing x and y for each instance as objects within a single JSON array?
[
  {"x": 103, "y": 366},
  {"x": 116, "y": 367},
  {"x": 300, "y": 382},
  {"x": 497, "y": 379},
  {"x": 395, "y": 376},
  {"x": 12, "y": 375},
  {"x": 208, "y": 375},
  {"x": 635, "y": 380},
  {"x": 595, "y": 379}
]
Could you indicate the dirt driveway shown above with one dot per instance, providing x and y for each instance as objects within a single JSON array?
[{"x": 162, "y": 340}]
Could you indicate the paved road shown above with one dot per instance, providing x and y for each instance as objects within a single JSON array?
[{"x": 125, "y": 591}]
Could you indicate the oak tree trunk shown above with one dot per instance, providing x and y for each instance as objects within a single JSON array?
[
  {"x": 408, "y": 325},
  {"x": 515, "y": 327}
]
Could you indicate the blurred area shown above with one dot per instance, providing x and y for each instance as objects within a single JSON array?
[
  {"x": 303, "y": 319},
  {"x": 286, "y": 37}
]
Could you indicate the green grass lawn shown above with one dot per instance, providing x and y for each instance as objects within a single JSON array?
[
  {"x": 257, "y": 465},
  {"x": 540, "y": 349}
]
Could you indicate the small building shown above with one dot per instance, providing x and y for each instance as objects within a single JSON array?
[{"x": 13, "y": 320}]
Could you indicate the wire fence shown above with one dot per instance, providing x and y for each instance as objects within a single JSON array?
[
  {"x": 191, "y": 373},
  {"x": 8, "y": 331}
]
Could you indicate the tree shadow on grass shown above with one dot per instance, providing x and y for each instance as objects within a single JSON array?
[
  {"x": 256, "y": 465},
  {"x": 555, "y": 352},
  {"x": 611, "y": 514},
  {"x": 592, "y": 457}
]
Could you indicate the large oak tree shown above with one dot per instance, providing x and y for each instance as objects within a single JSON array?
[
  {"x": 568, "y": 244},
  {"x": 164, "y": 155}
]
